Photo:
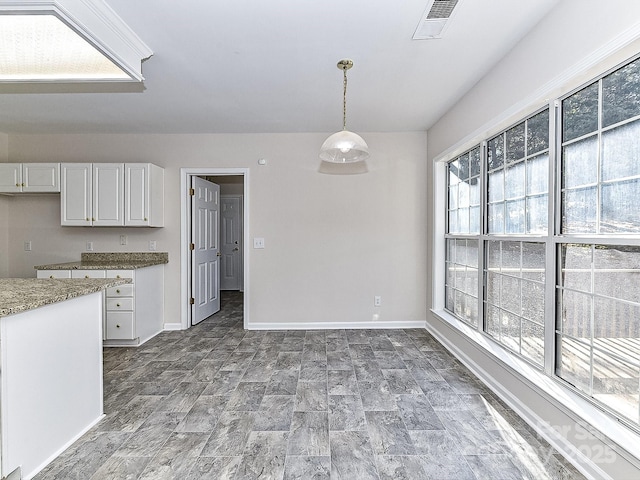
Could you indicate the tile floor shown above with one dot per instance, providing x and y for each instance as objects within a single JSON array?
[{"x": 218, "y": 402}]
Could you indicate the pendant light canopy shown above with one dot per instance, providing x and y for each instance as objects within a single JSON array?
[{"x": 344, "y": 146}]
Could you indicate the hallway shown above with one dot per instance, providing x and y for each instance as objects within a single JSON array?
[{"x": 219, "y": 402}]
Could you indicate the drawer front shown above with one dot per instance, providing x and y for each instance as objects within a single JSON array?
[
  {"x": 53, "y": 274},
  {"x": 119, "y": 326},
  {"x": 120, "y": 291},
  {"x": 124, "y": 303},
  {"x": 88, "y": 274},
  {"x": 121, "y": 274}
]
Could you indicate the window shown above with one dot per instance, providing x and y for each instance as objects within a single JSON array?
[{"x": 515, "y": 273}]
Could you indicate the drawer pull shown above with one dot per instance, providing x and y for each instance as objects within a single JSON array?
[
  {"x": 117, "y": 326},
  {"x": 117, "y": 304},
  {"x": 117, "y": 276},
  {"x": 118, "y": 290},
  {"x": 86, "y": 276},
  {"x": 50, "y": 276}
]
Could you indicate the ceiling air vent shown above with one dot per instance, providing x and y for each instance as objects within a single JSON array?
[{"x": 434, "y": 19}]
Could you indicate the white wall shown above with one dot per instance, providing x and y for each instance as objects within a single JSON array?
[
  {"x": 332, "y": 242},
  {"x": 542, "y": 66}
]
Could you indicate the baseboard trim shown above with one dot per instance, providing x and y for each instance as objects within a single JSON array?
[
  {"x": 172, "y": 326},
  {"x": 336, "y": 325}
]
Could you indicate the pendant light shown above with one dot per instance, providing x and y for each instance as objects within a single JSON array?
[{"x": 344, "y": 146}]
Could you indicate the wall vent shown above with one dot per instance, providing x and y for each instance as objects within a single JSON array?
[{"x": 435, "y": 19}]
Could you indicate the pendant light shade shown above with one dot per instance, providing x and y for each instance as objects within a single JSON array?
[{"x": 344, "y": 146}]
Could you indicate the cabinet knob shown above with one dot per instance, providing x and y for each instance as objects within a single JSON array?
[
  {"x": 93, "y": 219},
  {"x": 17, "y": 184},
  {"x": 50, "y": 276},
  {"x": 86, "y": 276},
  {"x": 117, "y": 304},
  {"x": 117, "y": 326},
  {"x": 145, "y": 219},
  {"x": 24, "y": 185},
  {"x": 118, "y": 290},
  {"x": 87, "y": 219},
  {"x": 117, "y": 276}
]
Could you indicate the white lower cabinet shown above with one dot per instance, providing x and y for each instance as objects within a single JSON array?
[{"x": 134, "y": 312}]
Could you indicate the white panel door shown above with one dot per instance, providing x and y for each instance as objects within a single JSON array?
[
  {"x": 231, "y": 242},
  {"x": 205, "y": 265}
]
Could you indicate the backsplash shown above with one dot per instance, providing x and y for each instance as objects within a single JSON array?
[{"x": 110, "y": 257}]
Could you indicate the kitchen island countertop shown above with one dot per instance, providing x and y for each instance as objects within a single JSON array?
[{"x": 22, "y": 294}]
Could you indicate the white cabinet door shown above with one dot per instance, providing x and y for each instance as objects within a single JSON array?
[
  {"x": 108, "y": 194},
  {"x": 76, "y": 194},
  {"x": 41, "y": 177},
  {"x": 136, "y": 194},
  {"x": 10, "y": 177}
]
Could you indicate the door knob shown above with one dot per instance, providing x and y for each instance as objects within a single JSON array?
[
  {"x": 236, "y": 249},
  {"x": 218, "y": 254}
]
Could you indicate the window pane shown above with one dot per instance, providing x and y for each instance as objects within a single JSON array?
[
  {"x": 580, "y": 163},
  {"x": 515, "y": 220},
  {"x": 533, "y": 261},
  {"x": 511, "y": 254},
  {"x": 576, "y": 314},
  {"x": 514, "y": 179},
  {"x": 537, "y": 214},
  {"x": 621, "y": 94},
  {"x": 617, "y": 272},
  {"x": 580, "y": 113},
  {"x": 510, "y": 331},
  {"x": 496, "y": 186},
  {"x": 496, "y": 218},
  {"x": 615, "y": 383},
  {"x": 463, "y": 220},
  {"x": 453, "y": 222},
  {"x": 515, "y": 143},
  {"x": 474, "y": 220},
  {"x": 495, "y": 151},
  {"x": 538, "y": 174},
  {"x": 533, "y": 301},
  {"x": 574, "y": 364},
  {"x": 619, "y": 207},
  {"x": 493, "y": 256},
  {"x": 533, "y": 342},
  {"x": 510, "y": 293},
  {"x": 474, "y": 191},
  {"x": 493, "y": 288},
  {"x": 474, "y": 162},
  {"x": 616, "y": 321},
  {"x": 463, "y": 194},
  {"x": 453, "y": 197},
  {"x": 538, "y": 132},
  {"x": 621, "y": 152},
  {"x": 576, "y": 267},
  {"x": 492, "y": 322},
  {"x": 463, "y": 167},
  {"x": 579, "y": 210}
]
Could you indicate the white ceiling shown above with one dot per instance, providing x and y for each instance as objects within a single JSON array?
[{"x": 247, "y": 66}]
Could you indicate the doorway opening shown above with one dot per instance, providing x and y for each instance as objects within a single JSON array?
[{"x": 234, "y": 191}]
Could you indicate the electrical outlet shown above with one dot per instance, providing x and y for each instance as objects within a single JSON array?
[
  {"x": 152, "y": 245},
  {"x": 377, "y": 301},
  {"x": 89, "y": 246},
  {"x": 258, "y": 242},
  {"x": 123, "y": 239},
  {"x": 27, "y": 246}
]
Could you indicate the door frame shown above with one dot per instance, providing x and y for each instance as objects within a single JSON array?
[{"x": 185, "y": 232}]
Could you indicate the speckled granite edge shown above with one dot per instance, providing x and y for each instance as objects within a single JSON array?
[
  {"x": 22, "y": 294},
  {"x": 111, "y": 261}
]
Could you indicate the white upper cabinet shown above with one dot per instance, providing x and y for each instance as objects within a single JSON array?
[
  {"x": 112, "y": 194},
  {"x": 144, "y": 195},
  {"x": 108, "y": 194},
  {"x": 29, "y": 177}
]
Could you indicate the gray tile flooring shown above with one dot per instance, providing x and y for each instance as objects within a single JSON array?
[{"x": 218, "y": 402}]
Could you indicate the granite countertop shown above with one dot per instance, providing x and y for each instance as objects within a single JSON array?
[
  {"x": 111, "y": 261},
  {"x": 22, "y": 294}
]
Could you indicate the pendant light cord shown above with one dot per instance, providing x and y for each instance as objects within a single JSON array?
[{"x": 344, "y": 99}]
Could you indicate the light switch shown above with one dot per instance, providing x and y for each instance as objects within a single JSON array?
[
  {"x": 89, "y": 246},
  {"x": 123, "y": 239},
  {"x": 152, "y": 245},
  {"x": 27, "y": 246},
  {"x": 258, "y": 242}
]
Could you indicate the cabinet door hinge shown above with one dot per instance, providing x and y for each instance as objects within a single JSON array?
[
  {"x": 192, "y": 192},
  {"x": 192, "y": 246},
  {"x": 192, "y": 301}
]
